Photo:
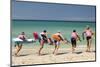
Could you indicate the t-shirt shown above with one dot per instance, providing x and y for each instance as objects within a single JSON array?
[
  {"x": 74, "y": 35},
  {"x": 88, "y": 32},
  {"x": 21, "y": 37}
]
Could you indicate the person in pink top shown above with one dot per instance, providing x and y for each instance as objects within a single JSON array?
[
  {"x": 74, "y": 37},
  {"x": 88, "y": 33},
  {"x": 22, "y": 36},
  {"x": 18, "y": 45}
]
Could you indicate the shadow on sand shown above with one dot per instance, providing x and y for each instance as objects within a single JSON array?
[
  {"x": 24, "y": 55},
  {"x": 61, "y": 53},
  {"x": 20, "y": 55},
  {"x": 91, "y": 51},
  {"x": 44, "y": 54},
  {"x": 78, "y": 52}
]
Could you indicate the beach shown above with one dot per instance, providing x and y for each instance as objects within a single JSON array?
[
  {"x": 29, "y": 52},
  {"x": 46, "y": 20},
  {"x": 29, "y": 55}
]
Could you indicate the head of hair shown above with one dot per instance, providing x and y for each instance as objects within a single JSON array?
[
  {"x": 45, "y": 31},
  {"x": 23, "y": 33},
  {"x": 59, "y": 31},
  {"x": 74, "y": 30},
  {"x": 87, "y": 27}
]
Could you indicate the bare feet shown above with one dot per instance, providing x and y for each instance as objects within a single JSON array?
[
  {"x": 16, "y": 55},
  {"x": 88, "y": 50}
]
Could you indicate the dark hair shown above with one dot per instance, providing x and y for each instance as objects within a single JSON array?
[
  {"x": 45, "y": 31},
  {"x": 23, "y": 33},
  {"x": 88, "y": 27},
  {"x": 74, "y": 30}
]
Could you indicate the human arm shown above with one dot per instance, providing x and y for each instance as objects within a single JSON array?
[
  {"x": 61, "y": 37},
  {"x": 79, "y": 38},
  {"x": 83, "y": 35}
]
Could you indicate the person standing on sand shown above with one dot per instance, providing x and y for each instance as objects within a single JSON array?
[
  {"x": 57, "y": 37},
  {"x": 88, "y": 33},
  {"x": 18, "y": 45},
  {"x": 74, "y": 37},
  {"x": 44, "y": 39}
]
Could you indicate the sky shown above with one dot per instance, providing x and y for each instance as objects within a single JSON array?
[{"x": 50, "y": 11}]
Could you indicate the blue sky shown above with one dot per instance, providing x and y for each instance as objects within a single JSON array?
[{"x": 46, "y": 11}]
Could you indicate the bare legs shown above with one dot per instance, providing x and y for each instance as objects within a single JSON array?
[
  {"x": 73, "y": 42},
  {"x": 41, "y": 46},
  {"x": 73, "y": 48},
  {"x": 18, "y": 48},
  {"x": 56, "y": 49},
  {"x": 89, "y": 45}
]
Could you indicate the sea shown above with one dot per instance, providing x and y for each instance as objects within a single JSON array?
[{"x": 52, "y": 27}]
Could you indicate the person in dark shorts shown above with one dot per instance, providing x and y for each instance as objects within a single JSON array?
[
  {"x": 57, "y": 37},
  {"x": 73, "y": 42},
  {"x": 74, "y": 37},
  {"x": 44, "y": 40},
  {"x": 88, "y": 33}
]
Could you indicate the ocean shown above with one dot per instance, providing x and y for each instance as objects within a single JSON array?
[{"x": 65, "y": 27}]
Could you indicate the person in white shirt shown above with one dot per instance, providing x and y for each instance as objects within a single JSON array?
[{"x": 44, "y": 40}]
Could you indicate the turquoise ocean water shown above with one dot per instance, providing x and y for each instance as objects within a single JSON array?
[{"x": 66, "y": 27}]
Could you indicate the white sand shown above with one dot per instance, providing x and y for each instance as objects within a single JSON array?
[{"x": 29, "y": 55}]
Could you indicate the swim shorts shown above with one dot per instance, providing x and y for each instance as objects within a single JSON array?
[
  {"x": 88, "y": 37},
  {"x": 73, "y": 42}
]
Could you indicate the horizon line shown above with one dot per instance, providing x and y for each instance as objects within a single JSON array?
[{"x": 52, "y": 20}]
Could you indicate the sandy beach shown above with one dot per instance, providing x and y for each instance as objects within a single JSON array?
[{"x": 29, "y": 55}]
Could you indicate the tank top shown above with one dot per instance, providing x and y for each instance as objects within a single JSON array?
[
  {"x": 21, "y": 37},
  {"x": 74, "y": 35},
  {"x": 88, "y": 33}
]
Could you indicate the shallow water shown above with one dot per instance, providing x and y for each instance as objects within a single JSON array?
[{"x": 66, "y": 27}]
